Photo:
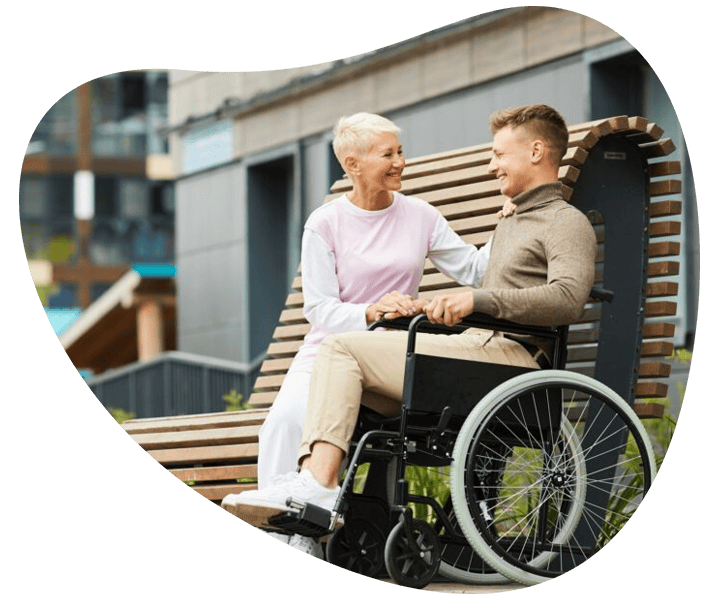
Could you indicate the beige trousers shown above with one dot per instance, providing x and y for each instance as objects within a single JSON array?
[{"x": 368, "y": 367}]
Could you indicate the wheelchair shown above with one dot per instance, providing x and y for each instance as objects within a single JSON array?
[{"x": 489, "y": 473}]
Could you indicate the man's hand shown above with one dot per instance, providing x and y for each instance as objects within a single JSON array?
[
  {"x": 393, "y": 305},
  {"x": 449, "y": 309}
]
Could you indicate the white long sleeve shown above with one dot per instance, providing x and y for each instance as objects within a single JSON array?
[
  {"x": 462, "y": 262},
  {"x": 321, "y": 290}
]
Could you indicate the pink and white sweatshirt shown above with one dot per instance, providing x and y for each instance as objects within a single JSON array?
[{"x": 351, "y": 257}]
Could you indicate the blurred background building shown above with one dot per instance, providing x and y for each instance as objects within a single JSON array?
[
  {"x": 96, "y": 192},
  {"x": 246, "y": 158}
]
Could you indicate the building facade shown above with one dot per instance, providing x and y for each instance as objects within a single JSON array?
[
  {"x": 96, "y": 194},
  {"x": 252, "y": 157}
]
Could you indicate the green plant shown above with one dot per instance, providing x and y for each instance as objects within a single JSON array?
[
  {"x": 660, "y": 431},
  {"x": 234, "y": 401},
  {"x": 59, "y": 250},
  {"x": 120, "y": 415}
]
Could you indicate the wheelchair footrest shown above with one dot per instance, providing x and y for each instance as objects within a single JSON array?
[{"x": 310, "y": 520}]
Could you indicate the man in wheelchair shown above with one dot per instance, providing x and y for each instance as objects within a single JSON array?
[{"x": 540, "y": 272}]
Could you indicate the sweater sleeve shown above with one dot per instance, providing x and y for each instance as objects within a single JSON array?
[
  {"x": 462, "y": 262},
  {"x": 570, "y": 248},
  {"x": 321, "y": 290}
]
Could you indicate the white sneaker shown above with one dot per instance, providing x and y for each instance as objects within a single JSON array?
[
  {"x": 256, "y": 506},
  {"x": 307, "y": 545}
]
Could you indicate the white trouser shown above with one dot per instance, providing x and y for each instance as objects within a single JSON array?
[{"x": 281, "y": 433}]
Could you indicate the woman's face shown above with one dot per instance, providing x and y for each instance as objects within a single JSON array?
[{"x": 382, "y": 165}]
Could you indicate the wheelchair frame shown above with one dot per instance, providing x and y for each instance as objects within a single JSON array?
[{"x": 380, "y": 530}]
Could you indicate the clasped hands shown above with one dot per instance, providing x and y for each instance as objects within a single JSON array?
[{"x": 447, "y": 309}]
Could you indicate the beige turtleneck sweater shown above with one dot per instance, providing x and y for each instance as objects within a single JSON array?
[{"x": 542, "y": 261}]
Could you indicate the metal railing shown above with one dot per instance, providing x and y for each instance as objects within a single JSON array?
[{"x": 174, "y": 383}]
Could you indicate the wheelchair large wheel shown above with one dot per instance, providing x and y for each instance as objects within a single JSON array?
[
  {"x": 577, "y": 462},
  {"x": 458, "y": 559}
]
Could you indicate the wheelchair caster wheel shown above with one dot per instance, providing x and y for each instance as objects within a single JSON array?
[
  {"x": 412, "y": 553},
  {"x": 357, "y": 547}
]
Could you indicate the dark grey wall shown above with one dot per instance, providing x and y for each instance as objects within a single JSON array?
[{"x": 211, "y": 247}]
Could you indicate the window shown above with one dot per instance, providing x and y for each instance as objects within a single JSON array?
[
  {"x": 47, "y": 217},
  {"x": 98, "y": 289},
  {"x": 65, "y": 297}
]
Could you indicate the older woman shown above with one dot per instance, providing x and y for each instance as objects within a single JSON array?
[{"x": 362, "y": 257}]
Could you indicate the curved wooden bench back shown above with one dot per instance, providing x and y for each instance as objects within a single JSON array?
[{"x": 218, "y": 452}]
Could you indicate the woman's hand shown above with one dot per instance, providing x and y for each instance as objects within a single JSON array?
[
  {"x": 507, "y": 209},
  {"x": 393, "y": 305}
]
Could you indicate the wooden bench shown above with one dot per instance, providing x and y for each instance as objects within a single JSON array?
[{"x": 217, "y": 453}]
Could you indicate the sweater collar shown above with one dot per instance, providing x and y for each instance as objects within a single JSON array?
[{"x": 540, "y": 194}]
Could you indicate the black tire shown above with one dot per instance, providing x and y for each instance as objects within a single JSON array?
[
  {"x": 412, "y": 560},
  {"x": 358, "y": 547}
]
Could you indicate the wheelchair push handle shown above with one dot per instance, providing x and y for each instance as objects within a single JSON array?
[{"x": 602, "y": 294}]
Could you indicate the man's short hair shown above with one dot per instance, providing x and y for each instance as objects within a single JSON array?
[
  {"x": 355, "y": 134},
  {"x": 540, "y": 120}
]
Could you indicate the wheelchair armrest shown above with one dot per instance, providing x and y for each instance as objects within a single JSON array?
[{"x": 479, "y": 320}]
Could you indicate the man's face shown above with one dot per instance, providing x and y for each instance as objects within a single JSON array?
[{"x": 511, "y": 163}]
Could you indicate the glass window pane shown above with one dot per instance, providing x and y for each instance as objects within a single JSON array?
[
  {"x": 98, "y": 289},
  {"x": 62, "y": 188},
  {"x": 33, "y": 191},
  {"x": 66, "y": 296},
  {"x": 133, "y": 198},
  {"x": 105, "y": 197}
]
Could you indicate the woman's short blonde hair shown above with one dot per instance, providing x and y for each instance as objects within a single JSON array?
[{"x": 354, "y": 135}]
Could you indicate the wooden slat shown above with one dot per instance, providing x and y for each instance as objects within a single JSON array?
[
  {"x": 575, "y": 156},
  {"x": 664, "y": 228},
  {"x": 648, "y": 410},
  {"x": 665, "y": 187},
  {"x": 650, "y": 389},
  {"x": 661, "y": 249},
  {"x": 665, "y": 208},
  {"x": 644, "y": 410},
  {"x": 197, "y": 437},
  {"x": 286, "y": 332},
  {"x": 276, "y": 365},
  {"x": 221, "y": 473},
  {"x": 262, "y": 398},
  {"x": 654, "y": 369},
  {"x": 269, "y": 382},
  {"x": 664, "y": 349},
  {"x": 294, "y": 300},
  {"x": 651, "y": 134},
  {"x": 665, "y": 268},
  {"x": 194, "y": 422},
  {"x": 217, "y": 492},
  {"x": 657, "y": 330},
  {"x": 657, "y": 149},
  {"x": 663, "y": 169},
  {"x": 206, "y": 454},
  {"x": 657, "y": 289},
  {"x": 292, "y": 316},
  {"x": 660, "y": 309},
  {"x": 283, "y": 349}
]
